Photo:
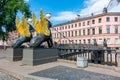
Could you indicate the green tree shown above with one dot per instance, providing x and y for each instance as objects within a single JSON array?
[{"x": 8, "y": 12}]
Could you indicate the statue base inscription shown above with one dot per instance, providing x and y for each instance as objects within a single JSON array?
[
  {"x": 39, "y": 56},
  {"x": 14, "y": 54}
]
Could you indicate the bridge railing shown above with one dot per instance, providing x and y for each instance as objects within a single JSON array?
[{"x": 94, "y": 54}]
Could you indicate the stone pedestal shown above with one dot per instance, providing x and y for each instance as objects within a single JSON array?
[
  {"x": 39, "y": 56},
  {"x": 82, "y": 62},
  {"x": 14, "y": 54}
]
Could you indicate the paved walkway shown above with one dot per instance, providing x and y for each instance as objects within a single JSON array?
[
  {"x": 18, "y": 70},
  {"x": 67, "y": 73},
  {"x": 4, "y": 76}
]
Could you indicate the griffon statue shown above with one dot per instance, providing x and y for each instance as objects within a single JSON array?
[
  {"x": 42, "y": 28},
  {"x": 24, "y": 30}
]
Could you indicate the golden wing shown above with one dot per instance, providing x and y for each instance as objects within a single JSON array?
[
  {"x": 44, "y": 24},
  {"x": 25, "y": 26},
  {"x": 41, "y": 15},
  {"x": 34, "y": 19},
  {"x": 45, "y": 29},
  {"x": 36, "y": 24},
  {"x": 19, "y": 26},
  {"x": 38, "y": 27}
]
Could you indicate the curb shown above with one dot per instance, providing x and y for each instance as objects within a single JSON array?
[
  {"x": 91, "y": 64},
  {"x": 30, "y": 77}
]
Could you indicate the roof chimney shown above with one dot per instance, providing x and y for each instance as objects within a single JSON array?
[
  {"x": 78, "y": 17},
  {"x": 92, "y": 14},
  {"x": 105, "y": 10}
]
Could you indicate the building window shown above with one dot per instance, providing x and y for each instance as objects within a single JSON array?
[
  {"x": 108, "y": 40},
  {"x": 72, "y": 26},
  {"x": 88, "y": 41},
  {"x": 116, "y": 41},
  {"x": 108, "y": 29},
  {"x": 79, "y": 24},
  {"x": 116, "y": 29},
  {"x": 107, "y": 19},
  {"x": 83, "y": 23},
  {"x": 72, "y": 33},
  {"x": 68, "y": 26},
  {"x": 65, "y": 27},
  {"x": 99, "y": 20},
  {"x": 84, "y": 41},
  {"x": 76, "y": 33},
  {"x": 63, "y": 42},
  {"x": 88, "y": 22},
  {"x": 59, "y": 28},
  {"x": 100, "y": 30},
  {"x": 79, "y": 32},
  {"x": 72, "y": 41},
  {"x": 68, "y": 33},
  {"x": 57, "y": 35},
  {"x": 116, "y": 19},
  {"x": 88, "y": 31},
  {"x": 76, "y": 41},
  {"x": 63, "y": 34},
  {"x": 93, "y": 30},
  {"x": 75, "y": 25},
  {"x": 100, "y": 41},
  {"x": 93, "y": 21},
  {"x": 80, "y": 41},
  {"x": 83, "y": 32}
]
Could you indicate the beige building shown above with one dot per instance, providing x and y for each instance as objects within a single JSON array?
[{"x": 85, "y": 30}]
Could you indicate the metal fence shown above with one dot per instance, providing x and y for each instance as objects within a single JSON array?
[{"x": 94, "y": 54}]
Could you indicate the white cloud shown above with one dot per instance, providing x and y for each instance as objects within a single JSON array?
[
  {"x": 91, "y": 6},
  {"x": 94, "y": 6},
  {"x": 64, "y": 16}
]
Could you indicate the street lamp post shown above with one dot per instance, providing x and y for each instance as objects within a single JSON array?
[{"x": 4, "y": 36}]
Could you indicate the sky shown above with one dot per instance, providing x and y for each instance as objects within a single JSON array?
[{"x": 66, "y": 10}]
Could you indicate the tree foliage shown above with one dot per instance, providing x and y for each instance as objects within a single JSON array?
[{"x": 8, "y": 12}]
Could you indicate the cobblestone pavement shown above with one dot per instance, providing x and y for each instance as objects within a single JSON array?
[
  {"x": 2, "y": 55},
  {"x": 4, "y": 76},
  {"x": 67, "y": 73}
]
